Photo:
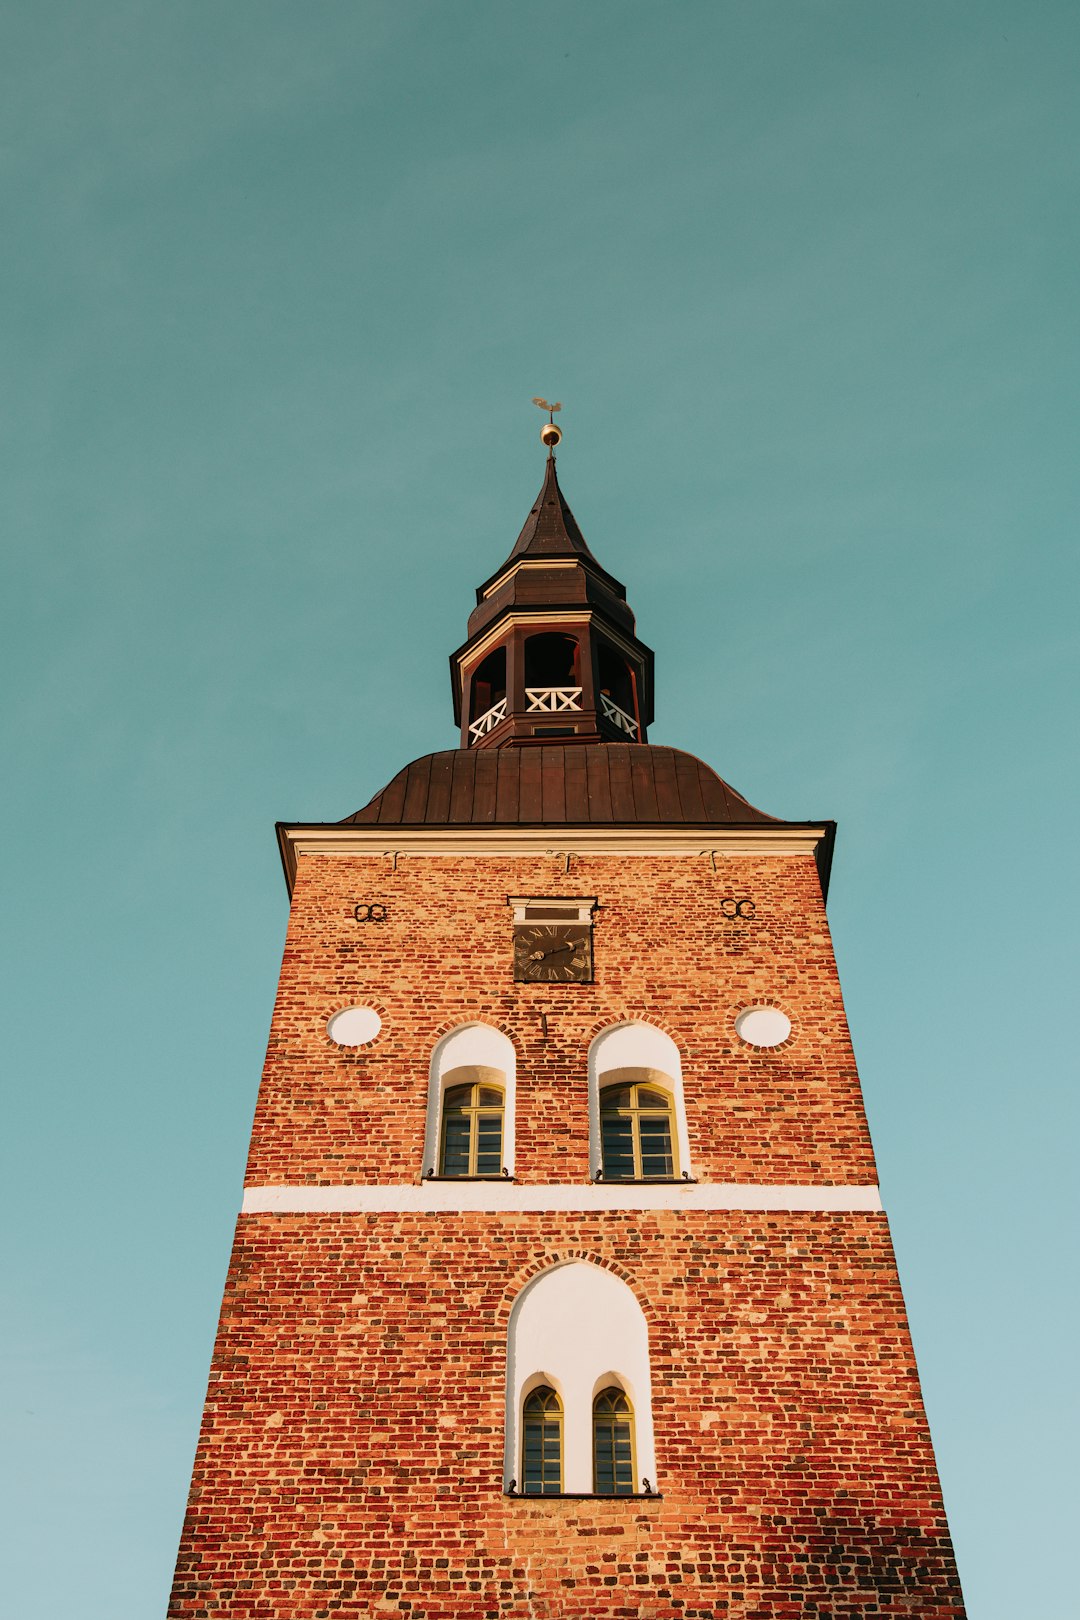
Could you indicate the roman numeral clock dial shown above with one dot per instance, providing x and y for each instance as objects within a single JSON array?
[
  {"x": 549, "y": 953},
  {"x": 553, "y": 942}
]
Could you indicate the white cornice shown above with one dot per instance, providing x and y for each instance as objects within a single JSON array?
[
  {"x": 474, "y": 651},
  {"x": 514, "y": 841},
  {"x": 435, "y": 1197}
]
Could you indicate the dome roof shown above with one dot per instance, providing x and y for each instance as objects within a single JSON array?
[{"x": 551, "y": 785}]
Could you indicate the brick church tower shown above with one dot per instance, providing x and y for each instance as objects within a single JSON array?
[{"x": 561, "y": 1286}]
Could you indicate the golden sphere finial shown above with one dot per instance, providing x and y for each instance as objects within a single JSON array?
[{"x": 549, "y": 433}]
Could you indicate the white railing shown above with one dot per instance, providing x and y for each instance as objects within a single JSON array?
[
  {"x": 617, "y": 716},
  {"x": 488, "y": 720},
  {"x": 552, "y": 699}
]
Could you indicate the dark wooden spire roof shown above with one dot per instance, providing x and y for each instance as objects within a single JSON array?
[
  {"x": 551, "y": 529},
  {"x": 593, "y": 784}
]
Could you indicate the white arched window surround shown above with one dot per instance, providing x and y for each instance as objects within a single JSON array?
[
  {"x": 637, "y": 1046},
  {"x": 468, "y": 1045},
  {"x": 579, "y": 1328}
]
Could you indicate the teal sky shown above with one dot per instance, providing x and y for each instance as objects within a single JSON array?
[{"x": 278, "y": 283}]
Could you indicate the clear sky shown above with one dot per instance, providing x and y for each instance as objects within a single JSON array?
[{"x": 278, "y": 283}]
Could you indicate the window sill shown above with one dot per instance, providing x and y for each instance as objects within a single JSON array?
[
  {"x": 584, "y": 1496},
  {"x": 500, "y": 1177},
  {"x": 645, "y": 1181}
]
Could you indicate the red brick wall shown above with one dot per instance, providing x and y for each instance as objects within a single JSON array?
[
  {"x": 351, "y": 1456},
  {"x": 664, "y": 951}
]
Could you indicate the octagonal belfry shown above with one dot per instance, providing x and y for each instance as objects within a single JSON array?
[{"x": 552, "y": 653}]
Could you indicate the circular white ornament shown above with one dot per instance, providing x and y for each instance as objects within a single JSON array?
[
  {"x": 763, "y": 1026},
  {"x": 356, "y": 1026}
]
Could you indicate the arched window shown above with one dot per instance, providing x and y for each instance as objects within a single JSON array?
[
  {"x": 613, "y": 1444},
  {"x": 541, "y": 1443},
  {"x": 576, "y": 1334},
  {"x": 472, "y": 1124},
  {"x": 640, "y": 1129},
  {"x": 636, "y": 1128},
  {"x": 470, "y": 1108}
]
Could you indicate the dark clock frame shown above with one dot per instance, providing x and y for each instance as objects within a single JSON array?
[{"x": 553, "y": 941}]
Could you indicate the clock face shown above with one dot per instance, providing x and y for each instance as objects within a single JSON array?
[{"x": 553, "y": 953}]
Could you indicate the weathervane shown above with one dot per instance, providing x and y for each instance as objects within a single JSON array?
[{"x": 549, "y": 433}]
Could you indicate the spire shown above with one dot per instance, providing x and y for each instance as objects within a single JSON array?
[
  {"x": 551, "y": 529},
  {"x": 552, "y": 652}
]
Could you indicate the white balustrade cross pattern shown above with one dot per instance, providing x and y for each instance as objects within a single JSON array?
[
  {"x": 552, "y": 699},
  {"x": 617, "y": 716},
  {"x": 488, "y": 720}
]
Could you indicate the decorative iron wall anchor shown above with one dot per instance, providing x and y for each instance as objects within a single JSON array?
[{"x": 373, "y": 911}]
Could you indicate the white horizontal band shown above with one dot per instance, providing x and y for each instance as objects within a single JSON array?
[
  {"x": 372, "y": 839},
  {"x": 436, "y": 1196}
]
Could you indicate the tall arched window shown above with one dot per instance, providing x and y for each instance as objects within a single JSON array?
[
  {"x": 541, "y": 1443},
  {"x": 469, "y": 1129},
  {"x": 472, "y": 1123},
  {"x": 637, "y": 1118},
  {"x": 613, "y": 1444},
  {"x": 577, "y": 1333},
  {"x": 637, "y": 1140}
]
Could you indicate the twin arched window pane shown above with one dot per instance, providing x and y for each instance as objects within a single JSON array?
[
  {"x": 636, "y": 1133},
  {"x": 541, "y": 1462},
  {"x": 472, "y": 1131},
  {"x": 542, "y": 1444},
  {"x": 613, "y": 1444}
]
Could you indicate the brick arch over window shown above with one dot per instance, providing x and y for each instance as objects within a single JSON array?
[
  {"x": 482, "y": 1049},
  {"x": 578, "y": 1327},
  {"x": 636, "y": 1045},
  {"x": 551, "y": 1258},
  {"x": 450, "y": 1026}
]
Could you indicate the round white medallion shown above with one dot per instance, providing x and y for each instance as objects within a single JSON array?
[
  {"x": 356, "y": 1026},
  {"x": 763, "y": 1026}
]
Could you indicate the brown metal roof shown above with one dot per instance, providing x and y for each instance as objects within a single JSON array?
[{"x": 550, "y": 785}]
